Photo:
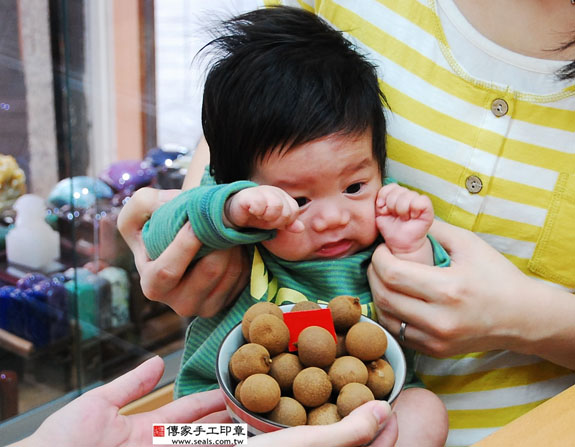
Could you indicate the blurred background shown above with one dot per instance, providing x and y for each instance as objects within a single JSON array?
[{"x": 97, "y": 99}]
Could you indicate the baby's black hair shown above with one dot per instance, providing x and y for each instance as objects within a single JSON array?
[{"x": 285, "y": 77}]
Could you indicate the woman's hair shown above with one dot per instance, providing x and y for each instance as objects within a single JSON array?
[
  {"x": 284, "y": 77},
  {"x": 568, "y": 71}
]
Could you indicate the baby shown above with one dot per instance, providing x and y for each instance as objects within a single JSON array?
[{"x": 294, "y": 120}]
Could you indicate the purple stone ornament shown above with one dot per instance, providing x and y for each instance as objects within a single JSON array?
[
  {"x": 30, "y": 279},
  {"x": 128, "y": 175}
]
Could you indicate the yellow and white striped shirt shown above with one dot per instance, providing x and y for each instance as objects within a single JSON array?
[{"x": 489, "y": 135}]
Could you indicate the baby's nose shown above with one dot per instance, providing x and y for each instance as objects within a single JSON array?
[{"x": 330, "y": 216}]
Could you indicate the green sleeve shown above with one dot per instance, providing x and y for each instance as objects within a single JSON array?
[
  {"x": 203, "y": 207},
  {"x": 207, "y": 178},
  {"x": 440, "y": 256}
]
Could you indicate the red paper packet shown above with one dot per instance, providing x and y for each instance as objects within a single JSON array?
[{"x": 298, "y": 321}]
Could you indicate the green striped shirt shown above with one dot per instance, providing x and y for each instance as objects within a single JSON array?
[{"x": 272, "y": 279}]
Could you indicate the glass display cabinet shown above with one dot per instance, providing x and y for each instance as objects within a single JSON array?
[{"x": 79, "y": 127}]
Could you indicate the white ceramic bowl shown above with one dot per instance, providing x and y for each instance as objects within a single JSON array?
[{"x": 257, "y": 423}]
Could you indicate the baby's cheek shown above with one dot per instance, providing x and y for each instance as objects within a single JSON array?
[
  {"x": 371, "y": 233},
  {"x": 288, "y": 246}
]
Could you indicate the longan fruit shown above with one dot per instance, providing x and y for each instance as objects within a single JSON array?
[
  {"x": 352, "y": 396},
  {"x": 312, "y": 387},
  {"x": 323, "y": 415},
  {"x": 260, "y": 393},
  {"x": 288, "y": 412},
  {"x": 261, "y": 307},
  {"x": 284, "y": 368},
  {"x": 347, "y": 369},
  {"x": 305, "y": 305},
  {"x": 316, "y": 347},
  {"x": 249, "y": 359},
  {"x": 340, "y": 350},
  {"x": 345, "y": 312},
  {"x": 366, "y": 341},
  {"x": 380, "y": 378},
  {"x": 270, "y": 332},
  {"x": 237, "y": 390}
]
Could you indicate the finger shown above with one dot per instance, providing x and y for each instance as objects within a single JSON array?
[
  {"x": 227, "y": 287},
  {"x": 220, "y": 417},
  {"x": 410, "y": 278},
  {"x": 293, "y": 205},
  {"x": 208, "y": 406},
  {"x": 132, "y": 385},
  {"x": 426, "y": 213},
  {"x": 137, "y": 211},
  {"x": 257, "y": 206},
  {"x": 292, "y": 212},
  {"x": 393, "y": 307},
  {"x": 271, "y": 204},
  {"x": 420, "y": 204},
  {"x": 413, "y": 336},
  {"x": 388, "y": 436},
  {"x": 161, "y": 276},
  {"x": 384, "y": 192},
  {"x": 274, "y": 211},
  {"x": 134, "y": 214},
  {"x": 380, "y": 199},
  {"x": 196, "y": 294},
  {"x": 358, "y": 428},
  {"x": 447, "y": 235},
  {"x": 289, "y": 215},
  {"x": 215, "y": 281},
  {"x": 404, "y": 203},
  {"x": 400, "y": 305},
  {"x": 297, "y": 226},
  {"x": 391, "y": 199},
  {"x": 239, "y": 275}
]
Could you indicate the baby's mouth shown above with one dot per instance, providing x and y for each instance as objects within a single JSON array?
[{"x": 335, "y": 249}]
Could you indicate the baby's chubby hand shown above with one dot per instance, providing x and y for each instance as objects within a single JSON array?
[
  {"x": 264, "y": 207},
  {"x": 403, "y": 217}
]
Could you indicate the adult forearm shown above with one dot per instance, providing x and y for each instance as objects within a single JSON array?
[
  {"x": 200, "y": 160},
  {"x": 548, "y": 324}
]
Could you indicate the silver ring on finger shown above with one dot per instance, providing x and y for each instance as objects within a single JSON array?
[{"x": 402, "y": 328}]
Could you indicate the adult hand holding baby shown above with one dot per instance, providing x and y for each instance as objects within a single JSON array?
[
  {"x": 203, "y": 290},
  {"x": 481, "y": 302}
]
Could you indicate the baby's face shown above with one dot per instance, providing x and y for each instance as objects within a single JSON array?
[{"x": 335, "y": 180}]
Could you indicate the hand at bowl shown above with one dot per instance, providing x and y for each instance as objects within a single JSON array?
[
  {"x": 85, "y": 417},
  {"x": 259, "y": 422},
  {"x": 371, "y": 424}
]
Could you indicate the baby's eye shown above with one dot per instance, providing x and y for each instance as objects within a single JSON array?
[
  {"x": 354, "y": 188},
  {"x": 301, "y": 201}
]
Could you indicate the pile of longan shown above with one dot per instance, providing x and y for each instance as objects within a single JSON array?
[{"x": 321, "y": 383}]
